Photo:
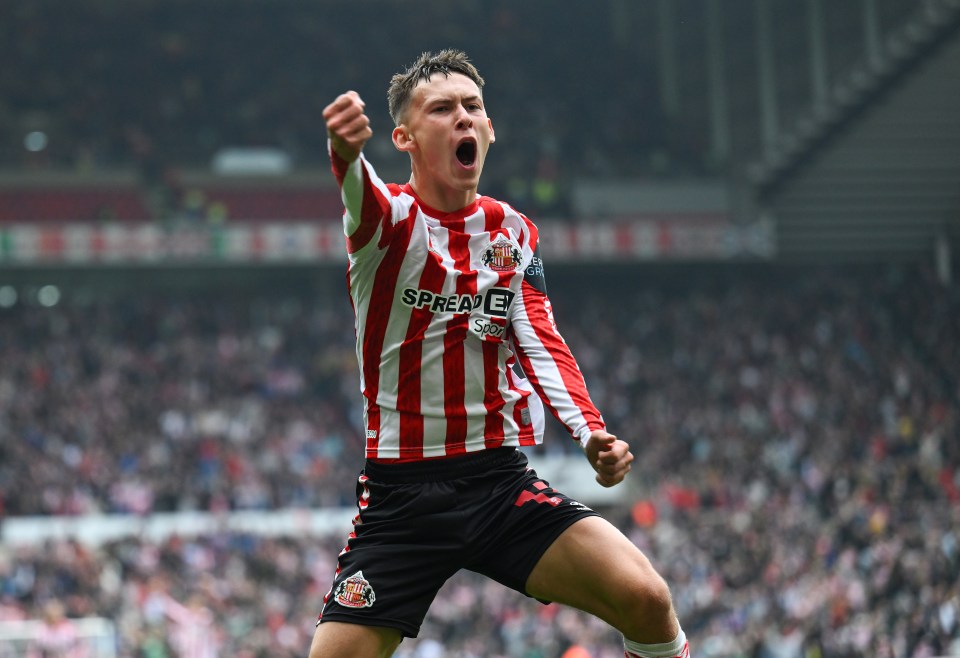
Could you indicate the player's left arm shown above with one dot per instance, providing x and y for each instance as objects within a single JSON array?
[{"x": 556, "y": 377}]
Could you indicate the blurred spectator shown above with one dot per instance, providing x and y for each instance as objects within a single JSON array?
[
  {"x": 194, "y": 632},
  {"x": 57, "y": 637}
]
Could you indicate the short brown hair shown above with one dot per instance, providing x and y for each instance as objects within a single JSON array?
[{"x": 446, "y": 62}]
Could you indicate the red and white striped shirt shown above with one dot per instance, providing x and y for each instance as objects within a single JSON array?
[
  {"x": 58, "y": 639},
  {"x": 446, "y": 304}
]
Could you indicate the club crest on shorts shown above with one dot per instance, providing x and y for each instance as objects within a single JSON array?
[
  {"x": 503, "y": 255},
  {"x": 355, "y": 592}
]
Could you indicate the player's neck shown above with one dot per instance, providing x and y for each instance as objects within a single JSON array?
[{"x": 441, "y": 197}]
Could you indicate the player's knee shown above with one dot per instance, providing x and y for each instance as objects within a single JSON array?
[
  {"x": 653, "y": 598},
  {"x": 647, "y": 611}
]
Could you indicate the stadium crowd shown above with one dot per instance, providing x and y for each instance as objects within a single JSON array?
[{"x": 797, "y": 481}]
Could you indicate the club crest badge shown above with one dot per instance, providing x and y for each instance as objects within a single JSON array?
[
  {"x": 503, "y": 255},
  {"x": 355, "y": 592}
]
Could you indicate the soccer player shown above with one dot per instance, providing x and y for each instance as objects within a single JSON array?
[{"x": 450, "y": 300}]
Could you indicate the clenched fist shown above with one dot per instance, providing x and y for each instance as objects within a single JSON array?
[
  {"x": 609, "y": 456},
  {"x": 348, "y": 126}
]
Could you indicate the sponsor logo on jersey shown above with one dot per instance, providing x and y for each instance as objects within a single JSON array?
[
  {"x": 503, "y": 255},
  {"x": 535, "y": 268},
  {"x": 487, "y": 328},
  {"x": 355, "y": 592},
  {"x": 494, "y": 302},
  {"x": 534, "y": 274}
]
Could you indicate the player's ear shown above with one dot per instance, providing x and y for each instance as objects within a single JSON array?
[
  {"x": 402, "y": 139},
  {"x": 493, "y": 137}
]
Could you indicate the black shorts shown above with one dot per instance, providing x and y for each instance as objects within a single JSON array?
[{"x": 419, "y": 523}]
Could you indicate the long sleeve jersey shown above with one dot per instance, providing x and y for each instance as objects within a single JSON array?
[{"x": 446, "y": 306}]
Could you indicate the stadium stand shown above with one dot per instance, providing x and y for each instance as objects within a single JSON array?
[
  {"x": 72, "y": 204},
  {"x": 72, "y": 199},
  {"x": 307, "y": 198}
]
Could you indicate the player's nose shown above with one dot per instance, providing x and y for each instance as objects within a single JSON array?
[{"x": 463, "y": 118}]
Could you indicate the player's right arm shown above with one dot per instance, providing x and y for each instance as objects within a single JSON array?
[{"x": 365, "y": 197}]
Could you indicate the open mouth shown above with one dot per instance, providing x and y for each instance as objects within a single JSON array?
[{"x": 467, "y": 153}]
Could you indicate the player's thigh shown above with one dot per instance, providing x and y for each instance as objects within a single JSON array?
[
  {"x": 592, "y": 566},
  {"x": 334, "y": 639}
]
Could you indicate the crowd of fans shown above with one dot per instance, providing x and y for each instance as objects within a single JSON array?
[
  {"x": 253, "y": 400},
  {"x": 797, "y": 481}
]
